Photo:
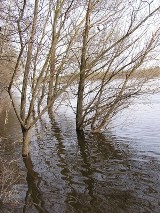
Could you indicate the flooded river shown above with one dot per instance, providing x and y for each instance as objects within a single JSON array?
[{"x": 111, "y": 172}]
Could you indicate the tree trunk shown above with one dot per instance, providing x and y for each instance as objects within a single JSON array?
[
  {"x": 79, "y": 113},
  {"x": 26, "y": 142},
  {"x": 80, "y": 99}
]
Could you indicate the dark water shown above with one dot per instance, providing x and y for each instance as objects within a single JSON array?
[{"x": 115, "y": 171}]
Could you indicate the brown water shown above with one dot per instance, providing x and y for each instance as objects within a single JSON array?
[{"x": 117, "y": 171}]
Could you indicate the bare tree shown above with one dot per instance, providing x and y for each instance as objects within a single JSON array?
[
  {"x": 43, "y": 35},
  {"x": 7, "y": 51},
  {"x": 116, "y": 42},
  {"x": 58, "y": 42}
]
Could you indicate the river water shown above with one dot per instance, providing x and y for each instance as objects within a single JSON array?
[{"x": 112, "y": 172}]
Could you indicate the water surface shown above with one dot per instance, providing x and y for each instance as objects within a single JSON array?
[{"x": 114, "y": 171}]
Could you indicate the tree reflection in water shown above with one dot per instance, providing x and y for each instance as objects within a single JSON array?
[
  {"x": 84, "y": 172},
  {"x": 33, "y": 195},
  {"x": 81, "y": 172}
]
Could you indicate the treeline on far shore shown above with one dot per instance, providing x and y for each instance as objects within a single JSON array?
[{"x": 148, "y": 73}]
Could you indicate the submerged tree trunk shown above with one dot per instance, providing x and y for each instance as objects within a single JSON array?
[{"x": 26, "y": 142}]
